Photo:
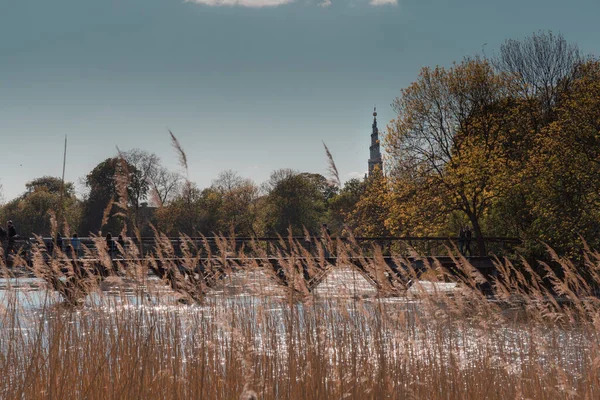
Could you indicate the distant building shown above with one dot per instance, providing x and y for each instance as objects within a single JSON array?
[{"x": 375, "y": 152}]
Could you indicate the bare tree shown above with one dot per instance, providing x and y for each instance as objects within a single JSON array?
[
  {"x": 144, "y": 165},
  {"x": 164, "y": 185},
  {"x": 541, "y": 65},
  {"x": 227, "y": 181}
]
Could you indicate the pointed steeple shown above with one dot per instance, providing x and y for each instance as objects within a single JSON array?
[
  {"x": 375, "y": 152},
  {"x": 374, "y": 118}
]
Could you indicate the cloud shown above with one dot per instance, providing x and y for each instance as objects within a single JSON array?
[
  {"x": 325, "y": 3},
  {"x": 356, "y": 175},
  {"x": 383, "y": 2},
  {"x": 242, "y": 3}
]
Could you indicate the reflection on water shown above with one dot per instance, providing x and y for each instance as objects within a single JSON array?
[
  {"x": 337, "y": 282},
  {"x": 248, "y": 290}
]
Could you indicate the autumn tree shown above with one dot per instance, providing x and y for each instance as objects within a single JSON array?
[
  {"x": 368, "y": 218},
  {"x": 446, "y": 144},
  {"x": 564, "y": 168},
  {"x": 545, "y": 74}
]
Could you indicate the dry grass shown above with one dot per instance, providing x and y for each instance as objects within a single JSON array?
[{"x": 241, "y": 330}]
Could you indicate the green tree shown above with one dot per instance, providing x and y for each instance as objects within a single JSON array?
[
  {"x": 327, "y": 189},
  {"x": 111, "y": 185},
  {"x": 341, "y": 205},
  {"x": 32, "y": 211},
  {"x": 50, "y": 184},
  {"x": 294, "y": 200},
  {"x": 184, "y": 214},
  {"x": 239, "y": 203}
]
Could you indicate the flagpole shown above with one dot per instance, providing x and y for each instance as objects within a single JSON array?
[{"x": 62, "y": 185}]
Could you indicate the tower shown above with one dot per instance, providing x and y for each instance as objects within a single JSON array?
[{"x": 375, "y": 153}]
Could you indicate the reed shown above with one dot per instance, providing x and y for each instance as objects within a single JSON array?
[{"x": 242, "y": 329}]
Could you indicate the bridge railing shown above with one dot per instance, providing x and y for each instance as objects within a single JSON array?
[
  {"x": 440, "y": 246},
  {"x": 406, "y": 245}
]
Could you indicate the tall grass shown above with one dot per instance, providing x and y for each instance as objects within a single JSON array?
[{"x": 241, "y": 329}]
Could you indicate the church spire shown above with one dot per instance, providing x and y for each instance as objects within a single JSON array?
[
  {"x": 374, "y": 149},
  {"x": 375, "y": 116}
]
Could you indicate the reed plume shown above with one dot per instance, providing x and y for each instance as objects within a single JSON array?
[{"x": 334, "y": 174}]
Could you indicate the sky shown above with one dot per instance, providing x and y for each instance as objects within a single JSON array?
[{"x": 247, "y": 85}]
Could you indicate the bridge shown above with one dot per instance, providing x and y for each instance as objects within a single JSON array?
[
  {"x": 275, "y": 246},
  {"x": 205, "y": 261},
  {"x": 429, "y": 245}
]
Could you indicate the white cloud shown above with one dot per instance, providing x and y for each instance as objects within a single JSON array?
[
  {"x": 383, "y": 2},
  {"x": 355, "y": 174},
  {"x": 325, "y": 3},
  {"x": 242, "y": 3}
]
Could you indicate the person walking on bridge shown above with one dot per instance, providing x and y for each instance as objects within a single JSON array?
[
  {"x": 325, "y": 238},
  {"x": 468, "y": 237},
  {"x": 121, "y": 249},
  {"x": 110, "y": 245},
  {"x": 59, "y": 243},
  {"x": 3, "y": 236},
  {"x": 76, "y": 244},
  {"x": 461, "y": 240},
  {"x": 12, "y": 236}
]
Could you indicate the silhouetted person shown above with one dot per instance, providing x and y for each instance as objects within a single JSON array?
[
  {"x": 76, "y": 244},
  {"x": 12, "y": 231},
  {"x": 110, "y": 246},
  {"x": 3, "y": 236},
  {"x": 121, "y": 242},
  {"x": 468, "y": 237},
  {"x": 325, "y": 234},
  {"x": 12, "y": 236},
  {"x": 461, "y": 240},
  {"x": 59, "y": 242}
]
